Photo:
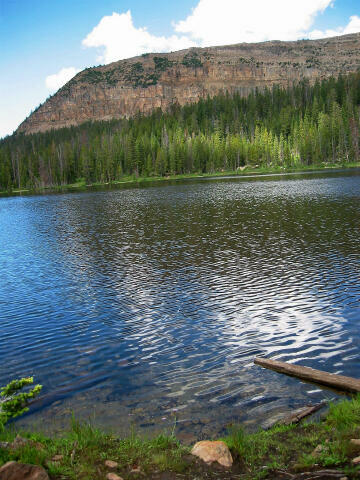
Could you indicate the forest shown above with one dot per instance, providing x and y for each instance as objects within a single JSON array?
[{"x": 298, "y": 126}]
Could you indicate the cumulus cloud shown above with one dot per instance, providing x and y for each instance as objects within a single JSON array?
[
  {"x": 232, "y": 21},
  {"x": 352, "y": 27},
  {"x": 119, "y": 38},
  {"x": 57, "y": 80},
  {"x": 215, "y": 23}
]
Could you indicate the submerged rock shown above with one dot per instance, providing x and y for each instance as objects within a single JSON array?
[
  {"x": 211, "y": 452},
  {"x": 22, "y": 471}
]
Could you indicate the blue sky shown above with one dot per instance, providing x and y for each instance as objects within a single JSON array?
[{"x": 43, "y": 42}]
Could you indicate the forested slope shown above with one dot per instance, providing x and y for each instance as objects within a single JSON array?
[{"x": 298, "y": 126}]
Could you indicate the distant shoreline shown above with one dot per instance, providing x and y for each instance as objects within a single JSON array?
[{"x": 244, "y": 172}]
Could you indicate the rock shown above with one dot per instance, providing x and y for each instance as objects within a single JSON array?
[
  {"x": 19, "y": 442},
  {"x": 317, "y": 451},
  {"x": 355, "y": 442},
  {"x": 113, "y": 476},
  {"x": 211, "y": 452},
  {"x": 136, "y": 470},
  {"x": 137, "y": 85},
  {"x": 4, "y": 444},
  {"x": 186, "y": 438},
  {"x": 57, "y": 458},
  {"x": 356, "y": 461},
  {"x": 111, "y": 464},
  {"x": 22, "y": 471}
]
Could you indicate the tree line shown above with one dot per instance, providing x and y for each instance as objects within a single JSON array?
[{"x": 301, "y": 125}]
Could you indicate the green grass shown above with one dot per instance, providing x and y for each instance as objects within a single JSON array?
[
  {"x": 257, "y": 455},
  {"x": 85, "y": 449},
  {"x": 291, "y": 447}
]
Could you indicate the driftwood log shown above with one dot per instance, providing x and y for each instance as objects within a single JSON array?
[
  {"x": 339, "y": 382},
  {"x": 300, "y": 414},
  {"x": 317, "y": 475}
]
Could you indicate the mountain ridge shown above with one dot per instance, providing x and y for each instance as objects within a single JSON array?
[{"x": 158, "y": 80}]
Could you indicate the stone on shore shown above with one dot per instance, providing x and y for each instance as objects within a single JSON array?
[
  {"x": 22, "y": 471},
  {"x": 113, "y": 476},
  {"x": 211, "y": 452},
  {"x": 57, "y": 458},
  {"x": 19, "y": 442},
  {"x": 317, "y": 451}
]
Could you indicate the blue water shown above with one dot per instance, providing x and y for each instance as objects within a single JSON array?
[{"x": 147, "y": 306}]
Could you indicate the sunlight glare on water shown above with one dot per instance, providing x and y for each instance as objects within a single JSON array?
[{"x": 142, "y": 305}]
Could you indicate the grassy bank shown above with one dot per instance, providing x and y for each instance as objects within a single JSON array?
[
  {"x": 81, "y": 184},
  {"x": 83, "y": 450}
]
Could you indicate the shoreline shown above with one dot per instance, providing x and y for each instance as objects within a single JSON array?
[
  {"x": 283, "y": 451},
  {"x": 247, "y": 172}
]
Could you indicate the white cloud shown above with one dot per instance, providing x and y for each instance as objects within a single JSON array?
[
  {"x": 232, "y": 21},
  {"x": 352, "y": 27},
  {"x": 121, "y": 39},
  {"x": 215, "y": 23},
  {"x": 210, "y": 23},
  {"x": 57, "y": 80}
]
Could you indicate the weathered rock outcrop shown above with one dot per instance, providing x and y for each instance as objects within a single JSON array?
[{"x": 142, "y": 84}]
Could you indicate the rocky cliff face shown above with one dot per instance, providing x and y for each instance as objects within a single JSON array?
[{"x": 142, "y": 84}]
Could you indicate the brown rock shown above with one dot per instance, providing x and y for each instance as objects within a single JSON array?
[
  {"x": 57, "y": 458},
  {"x": 355, "y": 442},
  {"x": 124, "y": 88},
  {"x": 22, "y": 471},
  {"x": 113, "y": 476},
  {"x": 111, "y": 464},
  {"x": 211, "y": 452},
  {"x": 136, "y": 470},
  {"x": 356, "y": 461},
  {"x": 317, "y": 451},
  {"x": 19, "y": 442}
]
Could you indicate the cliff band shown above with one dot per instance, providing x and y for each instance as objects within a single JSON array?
[{"x": 142, "y": 84}]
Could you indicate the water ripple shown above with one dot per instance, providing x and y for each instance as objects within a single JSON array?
[{"x": 153, "y": 302}]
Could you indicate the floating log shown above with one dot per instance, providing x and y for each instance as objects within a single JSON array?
[
  {"x": 339, "y": 382},
  {"x": 300, "y": 414}
]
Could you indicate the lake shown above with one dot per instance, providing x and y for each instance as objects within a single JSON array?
[{"x": 145, "y": 307}]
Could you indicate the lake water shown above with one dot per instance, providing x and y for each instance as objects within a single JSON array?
[{"x": 145, "y": 307}]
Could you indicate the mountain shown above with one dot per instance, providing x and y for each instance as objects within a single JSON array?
[{"x": 143, "y": 84}]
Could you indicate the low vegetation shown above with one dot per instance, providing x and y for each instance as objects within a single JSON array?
[
  {"x": 311, "y": 446},
  {"x": 13, "y": 401},
  {"x": 82, "y": 450}
]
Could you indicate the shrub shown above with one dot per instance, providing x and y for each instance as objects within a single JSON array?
[{"x": 14, "y": 404}]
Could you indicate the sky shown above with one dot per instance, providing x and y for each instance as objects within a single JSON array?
[{"x": 44, "y": 43}]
